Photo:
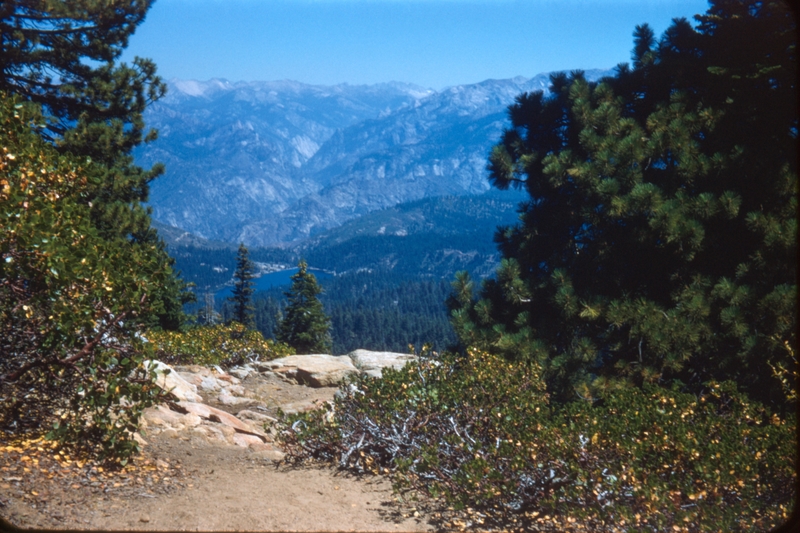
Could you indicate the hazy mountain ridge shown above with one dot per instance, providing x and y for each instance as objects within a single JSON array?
[
  {"x": 270, "y": 163},
  {"x": 232, "y": 150}
]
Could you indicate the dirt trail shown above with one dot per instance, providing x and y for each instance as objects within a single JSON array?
[{"x": 238, "y": 490}]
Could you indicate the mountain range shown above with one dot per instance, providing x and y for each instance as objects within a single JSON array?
[{"x": 274, "y": 163}]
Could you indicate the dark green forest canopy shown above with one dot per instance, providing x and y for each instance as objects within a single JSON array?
[{"x": 659, "y": 240}]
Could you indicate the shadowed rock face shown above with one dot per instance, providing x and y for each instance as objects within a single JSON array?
[{"x": 266, "y": 163}]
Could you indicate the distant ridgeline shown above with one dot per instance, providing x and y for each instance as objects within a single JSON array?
[
  {"x": 386, "y": 275},
  {"x": 272, "y": 163}
]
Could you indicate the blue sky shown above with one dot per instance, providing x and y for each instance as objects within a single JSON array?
[{"x": 433, "y": 43}]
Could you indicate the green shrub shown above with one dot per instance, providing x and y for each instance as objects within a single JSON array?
[
  {"x": 70, "y": 301},
  {"x": 230, "y": 344},
  {"x": 481, "y": 434}
]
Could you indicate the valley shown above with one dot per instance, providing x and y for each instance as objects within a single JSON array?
[{"x": 386, "y": 275}]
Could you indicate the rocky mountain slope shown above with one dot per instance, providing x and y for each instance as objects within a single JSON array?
[
  {"x": 269, "y": 163},
  {"x": 233, "y": 150}
]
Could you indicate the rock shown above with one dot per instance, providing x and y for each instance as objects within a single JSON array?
[
  {"x": 194, "y": 369},
  {"x": 216, "y": 415},
  {"x": 169, "y": 380},
  {"x": 228, "y": 378},
  {"x": 246, "y": 441},
  {"x": 209, "y": 383},
  {"x": 247, "y": 415},
  {"x": 226, "y": 398},
  {"x": 263, "y": 447},
  {"x": 191, "y": 420},
  {"x": 228, "y": 431},
  {"x": 373, "y": 363},
  {"x": 271, "y": 453},
  {"x": 316, "y": 370},
  {"x": 211, "y": 433},
  {"x": 262, "y": 366},
  {"x": 138, "y": 438},
  {"x": 162, "y": 416},
  {"x": 302, "y": 406},
  {"x": 241, "y": 372},
  {"x": 236, "y": 390},
  {"x": 194, "y": 379}
]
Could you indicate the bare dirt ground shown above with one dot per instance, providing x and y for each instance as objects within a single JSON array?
[{"x": 183, "y": 482}]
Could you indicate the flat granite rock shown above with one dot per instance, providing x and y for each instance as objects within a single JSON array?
[
  {"x": 373, "y": 363},
  {"x": 315, "y": 370}
]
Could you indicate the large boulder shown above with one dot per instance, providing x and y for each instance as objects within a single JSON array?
[
  {"x": 316, "y": 370},
  {"x": 373, "y": 363},
  {"x": 169, "y": 380}
]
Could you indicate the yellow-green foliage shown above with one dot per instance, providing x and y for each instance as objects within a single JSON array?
[
  {"x": 215, "y": 345},
  {"x": 482, "y": 433}
]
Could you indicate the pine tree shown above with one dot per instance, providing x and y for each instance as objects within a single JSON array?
[
  {"x": 243, "y": 289},
  {"x": 305, "y": 326},
  {"x": 62, "y": 58},
  {"x": 658, "y": 244}
]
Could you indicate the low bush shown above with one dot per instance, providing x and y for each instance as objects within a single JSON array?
[
  {"x": 480, "y": 434},
  {"x": 225, "y": 345}
]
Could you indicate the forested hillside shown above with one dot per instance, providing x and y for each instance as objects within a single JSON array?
[
  {"x": 272, "y": 163},
  {"x": 371, "y": 310}
]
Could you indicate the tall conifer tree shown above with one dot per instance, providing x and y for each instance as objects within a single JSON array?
[
  {"x": 305, "y": 326},
  {"x": 659, "y": 241},
  {"x": 62, "y": 57},
  {"x": 242, "y": 298}
]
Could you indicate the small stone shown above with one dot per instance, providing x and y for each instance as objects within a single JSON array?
[
  {"x": 144, "y": 518},
  {"x": 245, "y": 441},
  {"x": 241, "y": 372},
  {"x": 226, "y": 398},
  {"x": 209, "y": 383}
]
